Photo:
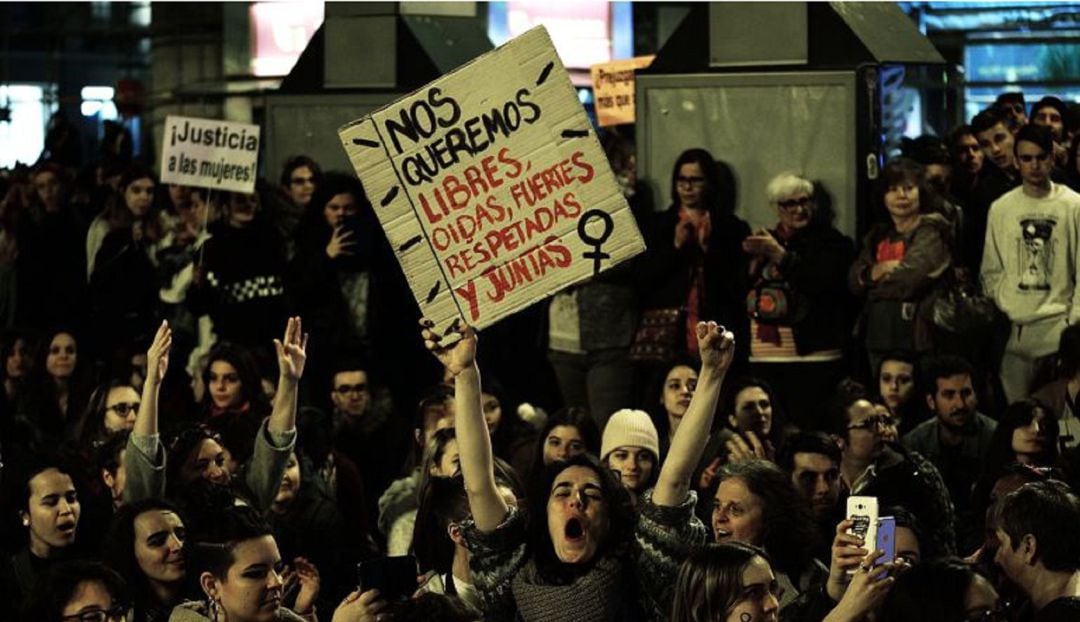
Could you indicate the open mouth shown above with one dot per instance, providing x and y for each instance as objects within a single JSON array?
[
  {"x": 574, "y": 529},
  {"x": 721, "y": 533},
  {"x": 67, "y": 527}
]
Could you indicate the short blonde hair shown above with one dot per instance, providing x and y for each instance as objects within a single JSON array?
[{"x": 787, "y": 184}]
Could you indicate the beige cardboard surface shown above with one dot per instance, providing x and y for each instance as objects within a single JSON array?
[
  {"x": 613, "y": 89},
  {"x": 207, "y": 153},
  {"x": 492, "y": 187}
]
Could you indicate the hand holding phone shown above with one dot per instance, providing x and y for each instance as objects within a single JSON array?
[
  {"x": 886, "y": 540},
  {"x": 394, "y": 577}
]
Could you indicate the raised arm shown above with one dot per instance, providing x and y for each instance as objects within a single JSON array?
[
  {"x": 717, "y": 347},
  {"x": 477, "y": 466},
  {"x": 274, "y": 444},
  {"x": 157, "y": 363},
  {"x": 144, "y": 461},
  {"x": 292, "y": 354}
]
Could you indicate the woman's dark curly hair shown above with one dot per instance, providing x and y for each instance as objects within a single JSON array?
[
  {"x": 56, "y": 586},
  {"x": 244, "y": 363},
  {"x": 90, "y": 429},
  {"x": 621, "y": 515},
  {"x": 788, "y": 531},
  {"x": 572, "y": 416}
]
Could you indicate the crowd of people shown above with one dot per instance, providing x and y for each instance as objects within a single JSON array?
[{"x": 224, "y": 406}]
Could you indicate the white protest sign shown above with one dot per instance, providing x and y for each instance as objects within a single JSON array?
[
  {"x": 613, "y": 89},
  {"x": 492, "y": 187},
  {"x": 207, "y": 153}
]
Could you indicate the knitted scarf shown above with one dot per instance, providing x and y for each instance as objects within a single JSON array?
[{"x": 596, "y": 595}]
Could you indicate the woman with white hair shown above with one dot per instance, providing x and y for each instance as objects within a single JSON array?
[{"x": 798, "y": 300}]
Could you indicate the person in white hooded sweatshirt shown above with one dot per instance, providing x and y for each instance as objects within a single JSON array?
[{"x": 1029, "y": 261}]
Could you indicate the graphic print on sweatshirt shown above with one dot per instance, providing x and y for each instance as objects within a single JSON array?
[{"x": 1036, "y": 252}]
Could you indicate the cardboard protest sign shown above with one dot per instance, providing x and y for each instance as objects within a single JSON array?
[
  {"x": 207, "y": 153},
  {"x": 492, "y": 187},
  {"x": 613, "y": 89}
]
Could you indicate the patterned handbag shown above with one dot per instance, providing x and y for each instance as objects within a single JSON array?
[{"x": 658, "y": 335}]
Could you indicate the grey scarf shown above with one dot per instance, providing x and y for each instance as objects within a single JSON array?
[{"x": 597, "y": 595}]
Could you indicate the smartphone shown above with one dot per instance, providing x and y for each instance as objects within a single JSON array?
[
  {"x": 394, "y": 577},
  {"x": 886, "y": 539},
  {"x": 863, "y": 511}
]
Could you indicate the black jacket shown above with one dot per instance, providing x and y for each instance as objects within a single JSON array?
[
  {"x": 667, "y": 272},
  {"x": 816, "y": 265}
]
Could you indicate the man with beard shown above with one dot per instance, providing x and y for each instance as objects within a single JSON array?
[
  {"x": 812, "y": 461},
  {"x": 957, "y": 437}
]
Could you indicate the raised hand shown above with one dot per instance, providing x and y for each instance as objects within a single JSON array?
[
  {"x": 157, "y": 356},
  {"x": 716, "y": 345},
  {"x": 745, "y": 447},
  {"x": 869, "y": 587},
  {"x": 456, "y": 358},
  {"x": 341, "y": 242},
  {"x": 292, "y": 350},
  {"x": 308, "y": 576}
]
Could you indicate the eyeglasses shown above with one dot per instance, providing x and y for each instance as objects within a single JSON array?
[
  {"x": 793, "y": 203},
  {"x": 117, "y": 613},
  {"x": 124, "y": 408},
  {"x": 871, "y": 423},
  {"x": 350, "y": 388},
  {"x": 300, "y": 181},
  {"x": 689, "y": 181}
]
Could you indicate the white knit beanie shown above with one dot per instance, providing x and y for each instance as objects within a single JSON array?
[{"x": 630, "y": 428}]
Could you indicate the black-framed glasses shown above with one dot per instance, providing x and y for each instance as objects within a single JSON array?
[
  {"x": 873, "y": 422},
  {"x": 116, "y": 613},
  {"x": 350, "y": 388},
  {"x": 694, "y": 180},
  {"x": 793, "y": 203},
  {"x": 124, "y": 408}
]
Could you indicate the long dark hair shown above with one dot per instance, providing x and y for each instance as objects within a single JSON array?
[
  {"x": 119, "y": 550},
  {"x": 571, "y": 416},
  {"x": 1000, "y": 455},
  {"x": 932, "y": 591},
  {"x": 244, "y": 364},
  {"x": 442, "y": 502},
  {"x": 621, "y": 514},
  {"x": 90, "y": 429},
  {"x": 710, "y": 582},
  {"x": 709, "y": 171},
  {"x": 788, "y": 531}
]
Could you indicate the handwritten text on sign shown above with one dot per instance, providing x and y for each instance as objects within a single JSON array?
[
  {"x": 613, "y": 89},
  {"x": 492, "y": 188},
  {"x": 207, "y": 153}
]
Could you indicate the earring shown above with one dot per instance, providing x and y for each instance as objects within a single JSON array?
[{"x": 214, "y": 608}]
